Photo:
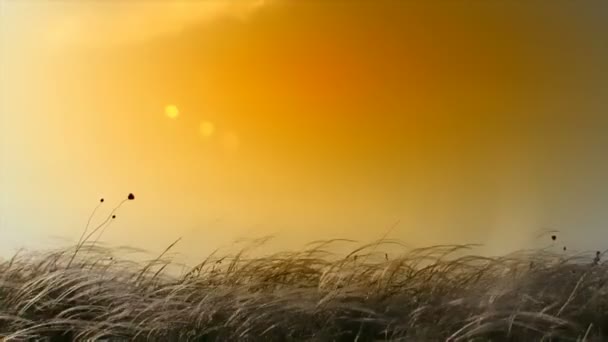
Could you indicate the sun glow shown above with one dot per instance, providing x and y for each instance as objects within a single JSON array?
[{"x": 172, "y": 111}]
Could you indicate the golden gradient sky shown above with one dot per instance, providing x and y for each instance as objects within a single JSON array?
[{"x": 464, "y": 121}]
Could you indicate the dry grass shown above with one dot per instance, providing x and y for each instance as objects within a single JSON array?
[{"x": 432, "y": 294}]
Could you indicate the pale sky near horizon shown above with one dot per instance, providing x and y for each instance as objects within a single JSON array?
[{"x": 463, "y": 121}]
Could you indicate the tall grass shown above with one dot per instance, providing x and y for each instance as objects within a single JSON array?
[{"x": 437, "y": 293}]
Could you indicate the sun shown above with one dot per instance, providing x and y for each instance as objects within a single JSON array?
[{"x": 172, "y": 111}]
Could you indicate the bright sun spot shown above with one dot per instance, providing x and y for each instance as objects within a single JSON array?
[
  {"x": 172, "y": 111},
  {"x": 206, "y": 128}
]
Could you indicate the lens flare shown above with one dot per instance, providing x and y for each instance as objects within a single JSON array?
[{"x": 172, "y": 111}]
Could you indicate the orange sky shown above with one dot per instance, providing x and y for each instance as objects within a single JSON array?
[{"x": 467, "y": 122}]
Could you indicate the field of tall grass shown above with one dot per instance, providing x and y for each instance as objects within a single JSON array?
[
  {"x": 439, "y": 293},
  {"x": 309, "y": 295}
]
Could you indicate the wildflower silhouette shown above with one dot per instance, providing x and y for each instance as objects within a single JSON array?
[
  {"x": 101, "y": 200},
  {"x": 103, "y": 225}
]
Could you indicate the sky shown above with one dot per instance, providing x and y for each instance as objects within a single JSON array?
[{"x": 431, "y": 121}]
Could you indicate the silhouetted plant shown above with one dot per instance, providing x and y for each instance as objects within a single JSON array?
[{"x": 83, "y": 239}]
